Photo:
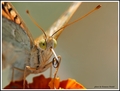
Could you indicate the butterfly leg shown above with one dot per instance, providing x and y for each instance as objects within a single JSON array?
[
  {"x": 13, "y": 72},
  {"x": 50, "y": 71},
  {"x": 22, "y": 71},
  {"x": 56, "y": 64},
  {"x": 25, "y": 71},
  {"x": 34, "y": 70}
]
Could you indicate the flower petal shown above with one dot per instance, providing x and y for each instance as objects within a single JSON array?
[
  {"x": 71, "y": 84},
  {"x": 16, "y": 85},
  {"x": 54, "y": 83},
  {"x": 40, "y": 82}
]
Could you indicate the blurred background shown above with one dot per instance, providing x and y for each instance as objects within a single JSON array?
[{"x": 89, "y": 48}]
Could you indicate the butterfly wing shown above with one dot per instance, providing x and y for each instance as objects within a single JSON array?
[
  {"x": 10, "y": 13},
  {"x": 17, "y": 41},
  {"x": 14, "y": 40},
  {"x": 62, "y": 21}
]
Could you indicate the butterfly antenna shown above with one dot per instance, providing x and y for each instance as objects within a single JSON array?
[
  {"x": 96, "y": 8},
  {"x": 36, "y": 23}
]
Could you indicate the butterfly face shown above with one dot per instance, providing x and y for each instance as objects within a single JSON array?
[
  {"x": 23, "y": 53},
  {"x": 44, "y": 46},
  {"x": 47, "y": 43}
]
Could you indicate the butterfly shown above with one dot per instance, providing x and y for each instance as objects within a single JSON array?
[{"x": 21, "y": 52}]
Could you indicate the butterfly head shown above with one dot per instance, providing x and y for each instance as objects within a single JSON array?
[{"x": 47, "y": 43}]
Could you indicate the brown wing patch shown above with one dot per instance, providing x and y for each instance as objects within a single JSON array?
[{"x": 8, "y": 12}]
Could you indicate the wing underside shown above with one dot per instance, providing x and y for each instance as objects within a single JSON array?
[
  {"x": 15, "y": 45},
  {"x": 10, "y": 13},
  {"x": 17, "y": 41},
  {"x": 62, "y": 21}
]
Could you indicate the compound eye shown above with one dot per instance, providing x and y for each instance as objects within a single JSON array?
[
  {"x": 55, "y": 42},
  {"x": 42, "y": 44}
]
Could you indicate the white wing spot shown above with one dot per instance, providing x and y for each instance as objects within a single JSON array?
[{"x": 13, "y": 32}]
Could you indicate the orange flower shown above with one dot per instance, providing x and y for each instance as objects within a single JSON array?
[
  {"x": 16, "y": 85},
  {"x": 40, "y": 82},
  {"x": 71, "y": 84}
]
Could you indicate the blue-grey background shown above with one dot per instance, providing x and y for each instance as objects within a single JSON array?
[{"x": 89, "y": 48}]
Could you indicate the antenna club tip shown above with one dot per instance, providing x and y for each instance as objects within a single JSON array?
[
  {"x": 99, "y": 6},
  {"x": 27, "y": 11}
]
